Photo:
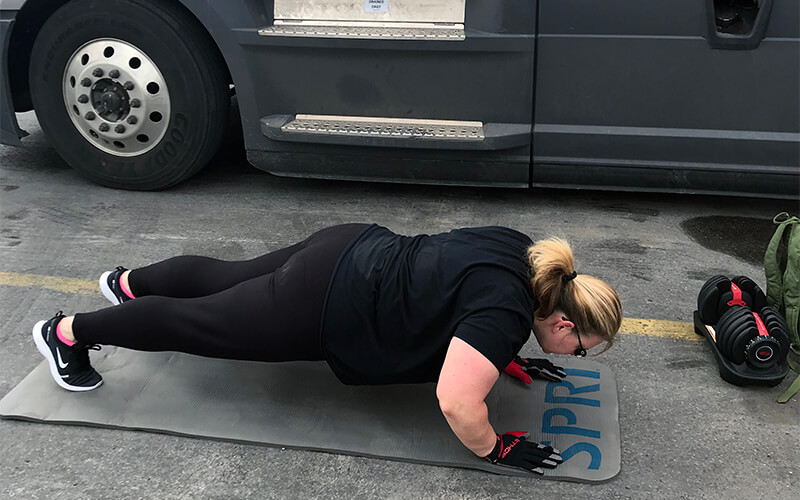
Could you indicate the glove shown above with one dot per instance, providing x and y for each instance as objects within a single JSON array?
[
  {"x": 521, "y": 368},
  {"x": 514, "y": 450}
]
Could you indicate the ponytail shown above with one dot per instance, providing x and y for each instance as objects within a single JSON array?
[{"x": 588, "y": 302}]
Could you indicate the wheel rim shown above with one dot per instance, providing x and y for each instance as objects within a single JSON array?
[{"x": 116, "y": 97}]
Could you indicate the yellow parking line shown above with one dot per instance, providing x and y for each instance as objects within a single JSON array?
[
  {"x": 57, "y": 283},
  {"x": 659, "y": 328},
  {"x": 633, "y": 326}
]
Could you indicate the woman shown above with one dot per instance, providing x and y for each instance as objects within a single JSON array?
[{"x": 380, "y": 308}]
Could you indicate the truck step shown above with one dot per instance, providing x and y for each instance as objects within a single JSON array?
[
  {"x": 395, "y": 132},
  {"x": 362, "y": 30}
]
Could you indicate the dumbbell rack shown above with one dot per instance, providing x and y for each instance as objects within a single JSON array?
[{"x": 740, "y": 374}]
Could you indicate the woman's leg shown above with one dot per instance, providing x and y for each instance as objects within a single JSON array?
[
  {"x": 194, "y": 276},
  {"x": 249, "y": 321},
  {"x": 274, "y": 317}
]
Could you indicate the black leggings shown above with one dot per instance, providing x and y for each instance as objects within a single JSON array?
[{"x": 265, "y": 309}]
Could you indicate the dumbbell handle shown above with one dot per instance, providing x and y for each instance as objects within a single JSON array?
[
  {"x": 737, "y": 296},
  {"x": 762, "y": 330}
]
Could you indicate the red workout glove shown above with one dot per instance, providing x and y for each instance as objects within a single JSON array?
[
  {"x": 514, "y": 450},
  {"x": 522, "y": 368}
]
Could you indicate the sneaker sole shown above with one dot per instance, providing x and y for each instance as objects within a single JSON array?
[
  {"x": 107, "y": 293},
  {"x": 48, "y": 355}
]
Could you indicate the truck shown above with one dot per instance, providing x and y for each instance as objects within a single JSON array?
[{"x": 688, "y": 96}]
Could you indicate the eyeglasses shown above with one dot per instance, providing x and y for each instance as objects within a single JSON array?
[{"x": 579, "y": 351}]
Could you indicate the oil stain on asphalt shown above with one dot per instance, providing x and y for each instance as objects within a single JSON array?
[{"x": 744, "y": 238}]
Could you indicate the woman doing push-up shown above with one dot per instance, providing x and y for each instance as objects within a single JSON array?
[{"x": 379, "y": 308}]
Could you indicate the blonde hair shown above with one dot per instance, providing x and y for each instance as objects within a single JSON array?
[{"x": 588, "y": 302}]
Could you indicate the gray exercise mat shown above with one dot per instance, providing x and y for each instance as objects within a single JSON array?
[{"x": 302, "y": 405}]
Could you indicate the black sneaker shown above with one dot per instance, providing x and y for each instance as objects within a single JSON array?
[
  {"x": 69, "y": 365},
  {"x": 110, "y": 286}
]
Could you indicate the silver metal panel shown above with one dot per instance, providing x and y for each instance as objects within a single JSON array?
[
  {"x": 386, "y": 127},
  {"x": 400, "y": 31},
  {"x": 445, "y": 11},
  {"x": 11, "y": 4}
]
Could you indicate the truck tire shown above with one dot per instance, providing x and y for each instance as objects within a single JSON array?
[{"x": 133, "y": 94}]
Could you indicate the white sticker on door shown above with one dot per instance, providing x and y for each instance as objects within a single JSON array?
[{"x": 376, "y": 5}]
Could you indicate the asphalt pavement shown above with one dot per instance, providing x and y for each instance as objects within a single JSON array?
[{"x": 685, "y": 432}]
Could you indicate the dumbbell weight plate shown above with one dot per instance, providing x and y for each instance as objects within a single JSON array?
[
  {"x": 741, "y": 322},
  {"x": 740, "y": 338},
  {"x": 737, "y": 320},
  {"x": 724, "y": 328},
  {"x": 777, "y": 328},
  {"x": 708, "y": 297},
  {"x": 757, "y": 298},
  {"x": 742, "y": 325}
]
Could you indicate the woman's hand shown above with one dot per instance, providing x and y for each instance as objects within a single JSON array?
[
  {"x": 514, "y": 450},
  {"x": 523, "y": 368}
]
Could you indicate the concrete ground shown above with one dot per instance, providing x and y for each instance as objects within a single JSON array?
[{"x": 685, "y": 432}]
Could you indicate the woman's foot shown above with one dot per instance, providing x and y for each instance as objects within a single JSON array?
[
  {"x": 69, "y": 364},
  {"x": 113, "y": 287}
]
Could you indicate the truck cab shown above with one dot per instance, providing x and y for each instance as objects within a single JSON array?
[{"x": 680, "y": 96}]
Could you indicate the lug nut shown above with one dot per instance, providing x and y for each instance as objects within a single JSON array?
[
  {"x": 120, "y": 128},
  {"x": 128, "y": 85},
  {"x": 98, "y": 72},
  {"x": 132, "y": 120},
  {"x": 89, "y": 115},
  {"x": 135, "y": 103},
  {"x": 83, "y": 98},
  {"x": 103, "y": 127},
  {"x": 86, "y": 82},
  {"x": 114, "y": 73}
]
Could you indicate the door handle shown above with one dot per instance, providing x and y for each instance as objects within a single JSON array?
[{"x": 737, "y": 24}]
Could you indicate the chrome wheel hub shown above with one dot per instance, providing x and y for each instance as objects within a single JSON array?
[{"x": 116, "y": 97}]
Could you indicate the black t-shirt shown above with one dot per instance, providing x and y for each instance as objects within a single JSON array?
[{"x": 395, "y": 302}]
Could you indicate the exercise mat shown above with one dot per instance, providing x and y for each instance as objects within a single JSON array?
[{"x": 302, "y": 405}]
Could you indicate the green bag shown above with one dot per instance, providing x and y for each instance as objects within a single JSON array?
[{"x": 782, "y": 269}]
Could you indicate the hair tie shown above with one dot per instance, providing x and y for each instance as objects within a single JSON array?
[{"x": 569, "y": 277}]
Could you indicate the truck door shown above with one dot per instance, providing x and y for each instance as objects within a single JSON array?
[
  {"x": 435, "y": 91},
  {"x": 679, "y": 95}
]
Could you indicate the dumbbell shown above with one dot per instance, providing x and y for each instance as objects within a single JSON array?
[
  {"x": 759, "y": 339},
  {"x": 719, "y": 294}
]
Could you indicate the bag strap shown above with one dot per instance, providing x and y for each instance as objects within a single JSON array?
[
  {"x": 791, "y": 280},
  {"x": 795, "y": 387},
  {"x": 791, "y": 391},
  {"x": 787, "y": 283},
  {"x": 771, "y": 269}
]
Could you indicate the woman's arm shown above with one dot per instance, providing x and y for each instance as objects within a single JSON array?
[{"x": 466, "y": 378}]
